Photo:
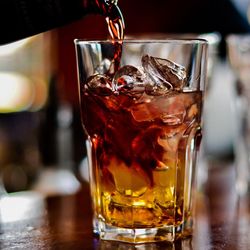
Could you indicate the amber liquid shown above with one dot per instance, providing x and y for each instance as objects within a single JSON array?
[{"x": 139, "y": 165}]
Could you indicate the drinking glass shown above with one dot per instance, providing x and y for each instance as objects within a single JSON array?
[{"x": 141, "y": 113}]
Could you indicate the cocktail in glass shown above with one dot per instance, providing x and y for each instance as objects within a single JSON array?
[{"x": 142, "y": 118}]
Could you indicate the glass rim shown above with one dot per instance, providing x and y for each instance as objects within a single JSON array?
[{"x": 178, "y": 41}]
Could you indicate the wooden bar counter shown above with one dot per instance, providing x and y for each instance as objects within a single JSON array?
[{"x": 31, "y": 221}]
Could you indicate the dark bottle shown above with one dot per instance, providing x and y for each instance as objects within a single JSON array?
[{"x": 23, "y": 18}]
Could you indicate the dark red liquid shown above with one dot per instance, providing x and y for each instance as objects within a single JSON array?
[{"x": 116, "y": 28}]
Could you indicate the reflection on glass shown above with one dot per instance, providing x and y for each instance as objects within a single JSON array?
[{"x": 178, "y": 245}]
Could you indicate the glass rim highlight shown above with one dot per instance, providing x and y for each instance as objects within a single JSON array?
[{"x": 177, "y": 41}]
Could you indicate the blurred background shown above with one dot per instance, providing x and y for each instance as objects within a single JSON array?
[{"x": 41, "y": 138}]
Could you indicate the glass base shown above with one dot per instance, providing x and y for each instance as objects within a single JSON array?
[{"x": 142, "y": 235}]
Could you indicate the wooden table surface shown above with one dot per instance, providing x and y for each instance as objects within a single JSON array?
[{"x": 30, "y": 221}]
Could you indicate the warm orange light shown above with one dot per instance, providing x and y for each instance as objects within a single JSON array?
[
  {"x": 16, "y": 92},
  {"x": 8, "y": 49}
]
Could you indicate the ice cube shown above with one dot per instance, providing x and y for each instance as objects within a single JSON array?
[
  {"x": 99, "y": 84},
  {"x": 175, "y": 111},
  {"x": 156, "y": 85},
  {"x": 129, "y": 80},
  {"x": 165, "y": 74},
  {"x": 169, "y": 109},
  {"x": 174, "y": 73}
]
